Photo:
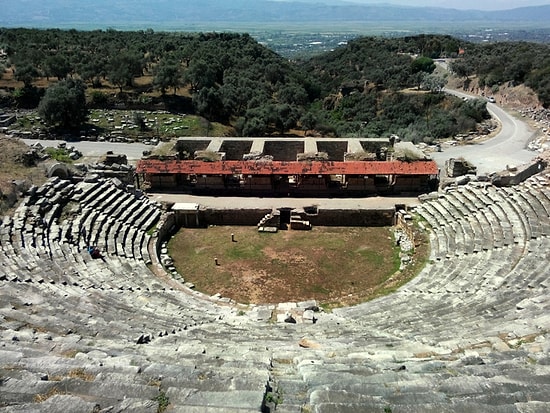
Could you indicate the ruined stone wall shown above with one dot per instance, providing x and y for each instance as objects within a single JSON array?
[
  {"x": 283, "y": 150},
  {"x": 166, "y": 227},
  {"x": 235, "y": 150},
  {"x": 404, "y": 224},
  {"x": 163, "y": 181},
  {"x": 411, "y": 184},
  {"x": 210, "y": 182},
  {"x": 355, "y": 183},
  {"x": 519, "y": 176},
  {"x": 332, "y": 217},
  {"x": 458, "y": 167},
  {"x": 231, "y": 216},
  {"x": 353, "y": 217}
]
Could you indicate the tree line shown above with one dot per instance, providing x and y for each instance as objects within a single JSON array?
[
  {"x": 370, "y": 87},
  {"x": 513, "y": 63}
]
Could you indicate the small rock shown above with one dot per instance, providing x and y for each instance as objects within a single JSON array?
[{"x": 290, "y": 319}]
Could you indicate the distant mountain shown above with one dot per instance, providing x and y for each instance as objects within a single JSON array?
[{"x": 103, "y": 13}]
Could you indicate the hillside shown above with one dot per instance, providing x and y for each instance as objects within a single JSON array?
[
  {"x": 355, "y": 91},
  {"x": 229, "y": 84}
]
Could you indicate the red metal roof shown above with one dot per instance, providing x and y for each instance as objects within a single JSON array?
[{"x": 154, "y": 166}]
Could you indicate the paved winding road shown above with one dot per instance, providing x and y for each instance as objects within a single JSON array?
[{"x": 508, "y": 147}]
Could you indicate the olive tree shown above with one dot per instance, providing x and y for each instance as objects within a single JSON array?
[
  {"x": 64, "y": 105},
  {"x": 434, "y": 82},
  {"x": 168, "y": 74},
  {"x": 123, "y": 68},
  {"x": 26, "y": 73}
]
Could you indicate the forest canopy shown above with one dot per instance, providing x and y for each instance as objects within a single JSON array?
[{"x": 370, "y": 87}]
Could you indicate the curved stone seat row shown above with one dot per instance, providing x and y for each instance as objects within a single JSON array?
[
  {"x": 469, "y": 333},
  {"x": 485, "y": 290},
  {"x": 511, "y": 271},
  {"x": 113, "y": 220},
  {"x": 481, "y": 219},
  {"x": 78, "y": 329},
  {"x": 112, "y": 346}
]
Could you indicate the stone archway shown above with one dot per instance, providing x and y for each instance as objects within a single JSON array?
[{"x": 58, "y": 169}]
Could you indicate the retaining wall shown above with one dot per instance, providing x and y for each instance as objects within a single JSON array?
[
  {"x": 166, "y": 227},
  {"x": 249, "y": 217},
  {"x": 331, "y": 217},
  {"x": 353, "y": 217},
  {"x": 521, "y": 175}
]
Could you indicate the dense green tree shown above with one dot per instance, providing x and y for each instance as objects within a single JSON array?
[
  {"x": 123, "y": 68},
  {"x": 240, "y": 93},
  {"x": 274, "y": 73},
  {"x": 234, "y": 77},
  {"x": 255, "y": 126},
  {"x": 358, "y": 107},
  {"x": 475, "y": 109},
  {"x": 508, "y": 62},
  {"x": 208, "y": 102},
  {"x": 462, "y": 68},
  {"x": 200, "y": 74},
  {"x": 434, "y": 82},
  {"x": 293, "y": 94},
  {"x": 168, "y": 74},
  {"x": 540, "y": 81},
  {"x": 308, "y": 121},
  {"x": 92, "y": 71},
  {"x": 57, "y": 66},
  {"x": 422, "y": 64},
  {"x": 26, "y": 73},
  {"x": 64, "y": 104},
  {"x": 284, "y": 116}
]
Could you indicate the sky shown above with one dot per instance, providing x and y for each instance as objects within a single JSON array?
[{"x": 462, "y": 4}]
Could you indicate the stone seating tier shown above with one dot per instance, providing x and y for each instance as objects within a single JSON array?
[{"x": 469, "y": 333}]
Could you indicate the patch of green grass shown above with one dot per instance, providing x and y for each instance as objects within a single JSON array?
[
  {"x": 327, "y": 307},
  {"x": 275, "y": 397},
  {"x": 372, "y": 257},
  {"x": 152, "y": 230},
  {"x": 163, "y": 401},
  {"x": 242, "y": 251},
  {"x": 59, "y": 154},
  {"x": 318, "y": 289},
  {"x": 24, "y": 122},
  {"x": 163, "y": 125}
]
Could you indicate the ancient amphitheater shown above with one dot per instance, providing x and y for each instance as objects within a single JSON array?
[{"x": 469, "y": 334}]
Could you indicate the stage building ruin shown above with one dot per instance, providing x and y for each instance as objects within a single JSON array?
[{"x": 313, "y": 173}]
